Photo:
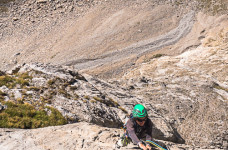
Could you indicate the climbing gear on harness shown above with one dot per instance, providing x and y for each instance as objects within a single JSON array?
[
  {"x": 123, "y": 141},
  {"x": 139, "y": 111}
]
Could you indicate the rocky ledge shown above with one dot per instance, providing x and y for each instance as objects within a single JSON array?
[{"x": 79, "y": 98}]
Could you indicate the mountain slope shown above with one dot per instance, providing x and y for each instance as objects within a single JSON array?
[{"x": 93, "y": 60}]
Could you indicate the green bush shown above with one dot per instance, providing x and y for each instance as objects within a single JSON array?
[
  {"x": 25, "y": 76},
  {"x": 154, "y": 56},
  {"x": 7, "y": 81},
  {"x": 157, "y": 55},
  {"x": 51, "y": 82},
  {"x": 2, "y": 93},
  {"x": 25, "y": 116},
  {"x": 22, "y": 82},
  {"x": 11, "y": 82}
]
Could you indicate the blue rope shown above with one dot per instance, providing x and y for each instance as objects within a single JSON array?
[{"x": 155, "y": 144}]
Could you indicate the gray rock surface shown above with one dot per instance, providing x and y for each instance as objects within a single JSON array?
[
  {"x": 169, "y": 55},
  {"x": 82, "y": 97},
  {"x": 73, "y": 136}
]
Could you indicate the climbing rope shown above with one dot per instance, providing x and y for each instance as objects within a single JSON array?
[{"x": 155, "y": 144}]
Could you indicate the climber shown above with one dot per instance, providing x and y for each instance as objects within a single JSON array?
[{"x": 138, "y": 127}]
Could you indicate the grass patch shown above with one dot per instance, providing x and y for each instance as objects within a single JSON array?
[
  {"x": 23, "y": 75},
  {"x": 22, "y": 82},
  {"x": 2, "y": 94},
  {"x": 73, "y": 88},
  {"x": 124, "y": 110},
  {"x": 46, "y": 99},
  {"x": 1, "y": 98},
  {"x": 210, "y": 6},
  {"x": 25, "y": 116},
  {"x": 64, "y": 93},
  {"x": 153, "y": 57},
  {"x": 11, "y": 82},
  {"x": 33, "y": 88},
  {"x": 98, "y": 99},
  {"x": 110, "y": 103},
  {"x": 113, "y": 103},
  {"x": 86, "y": 97},
  {"x": 8, "y": 81},
  {"x": 93, "y": 101},
  {"x": 50, "y": 82},
  {"x": 157, "y": 55},
  {"x": 2, "y": 73},
  {"x": 76, "y": 96}
]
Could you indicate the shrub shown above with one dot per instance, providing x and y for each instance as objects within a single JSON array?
[
  {"x": 51, "y": 82},
  {"x": 2, "y": 93},
  {"x": 33, "y": 88},
  {"x": 22, "y": 82},
  {"x": 86, "y": 97},
  {"x": 157, "y": 55},
  {"x": 154, "y": 56},
  {"x": 7, "y": 81},
  {"x": 11, "y": 82},
  {"x": 24, "y": 76},
  {"x": 114, "y": 103},
  {"x": 98, "y": 99},
  {"x": 25, "y": 116},
  {"x": 124, "y": 110},
  {"x": 61, "y": 91},
  {"x": 93, "y": 101},
  {"x": 76, "y": 96}
]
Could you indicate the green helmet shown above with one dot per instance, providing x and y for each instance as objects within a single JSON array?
[{"x": 139, "y": 111}]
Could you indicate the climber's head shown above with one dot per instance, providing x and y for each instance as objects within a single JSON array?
[{"x": 140, "y": 114}]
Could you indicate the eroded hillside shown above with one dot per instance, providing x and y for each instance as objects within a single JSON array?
[
  {"x": 190, "y": 88},
  {"x": 93, "y": 60}
]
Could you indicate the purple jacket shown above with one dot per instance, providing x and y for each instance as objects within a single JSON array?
[{"x": 136, "y": 132}]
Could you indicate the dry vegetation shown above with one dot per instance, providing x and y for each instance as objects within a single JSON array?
[
  {"x": 210, "y": 6},
  {"x": 3, "y": 7},
  {"x": 32, "y": 109},
  {"x": 26, "y": 112},
  {"x": 26, "y": 116}
]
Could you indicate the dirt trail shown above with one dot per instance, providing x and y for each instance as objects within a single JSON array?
[{"x": 140, "y": 48}]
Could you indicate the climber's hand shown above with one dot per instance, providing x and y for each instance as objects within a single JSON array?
[
  {"x": 148, "y": 147},
  {"x": 142, "y": 146}
]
